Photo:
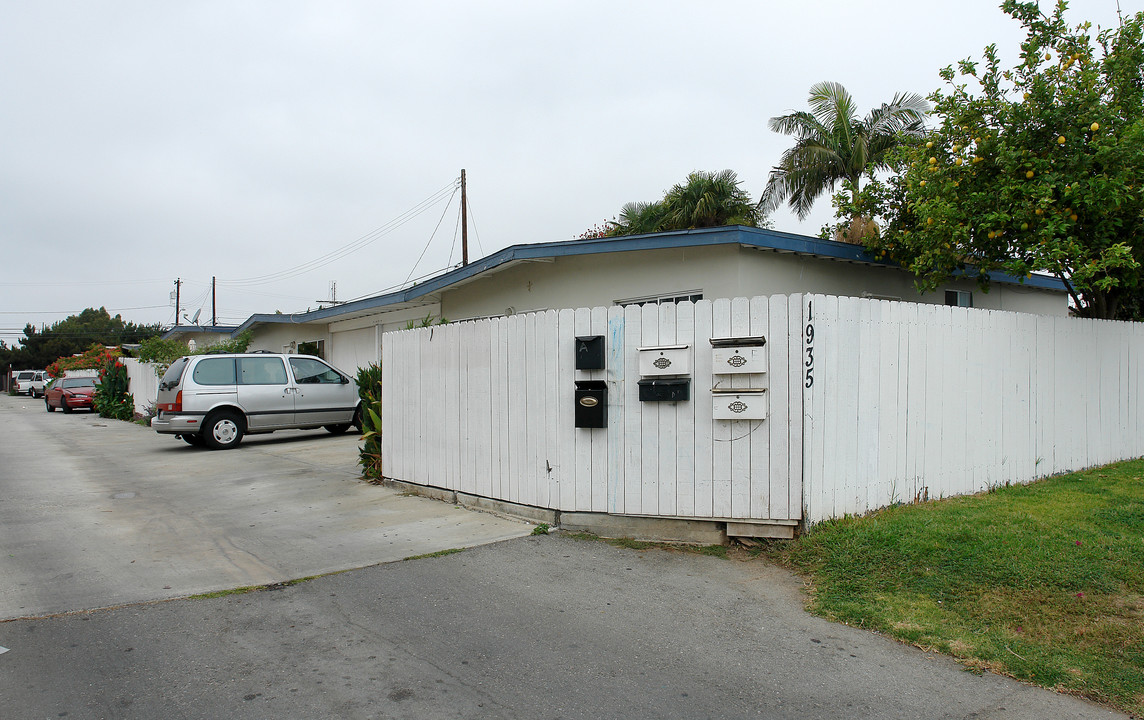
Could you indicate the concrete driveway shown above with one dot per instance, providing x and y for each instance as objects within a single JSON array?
[{"x": 98, "y": 513}]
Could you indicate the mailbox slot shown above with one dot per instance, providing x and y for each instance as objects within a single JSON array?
[
  {"x": 675, "y": 390},
  {"x": 591, "y": 404},
  {"x": 590, "y": 352}
]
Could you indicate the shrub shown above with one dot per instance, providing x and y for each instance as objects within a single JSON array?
[
  {"x": 111, "y": 397},
  {"x": 369, "y": 388}
]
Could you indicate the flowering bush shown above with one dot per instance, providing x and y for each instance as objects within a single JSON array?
[
  {"x": 111, "y": 397},
  {"x": 96, "y": 357}
]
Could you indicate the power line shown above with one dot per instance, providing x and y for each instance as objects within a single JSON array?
[
  {"x": 433, "y": 235},
  {"x": 354, "y": 246}
]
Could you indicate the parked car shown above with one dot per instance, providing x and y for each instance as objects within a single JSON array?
[
  {"x": 70, "y": 393},
  {"x": 31, "y": 382},
  {"x": 214, "y": 400}
]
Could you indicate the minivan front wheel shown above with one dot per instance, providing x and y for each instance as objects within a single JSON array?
[{"x": 222, "y": 431}]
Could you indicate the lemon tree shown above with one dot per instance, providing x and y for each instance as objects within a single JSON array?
[{"x": 1039, "y": 167}]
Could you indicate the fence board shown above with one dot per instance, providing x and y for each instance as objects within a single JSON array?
[
  {"x": 703, "y": 491},
  {"x": 617, "y": 356}
]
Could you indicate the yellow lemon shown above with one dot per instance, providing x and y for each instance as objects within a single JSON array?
[
  {"x": 957, "y": 161},
  {"x": 1039, "y": 211},
  {"x": 991, "y": 235},
  {"x": 1094, "y": 127},
  {"x": 929, "y": 221},
  {"x": 929, "y": 144},
  {"x": 1024, "y": 226},
  {"x": 1060, "y": 139},
  {"x": 1029, "y": 174},
  {"x": 922, "y": 183},
  {"x": 1073, "y": 216},
  {"x": 1048, "y": 56},
  {"x": 932, "y": 160}
]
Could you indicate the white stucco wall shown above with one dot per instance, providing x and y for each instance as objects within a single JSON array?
[
  {"x": 276, "y": 337},
  {"x": 721, "y": 271}
]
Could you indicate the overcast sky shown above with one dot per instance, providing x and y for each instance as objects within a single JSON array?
[{"x": 146, "y": 141}]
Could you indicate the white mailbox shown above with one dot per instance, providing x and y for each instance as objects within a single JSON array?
[
  {"x": 738, "y": 360},
  {"x": 665, "y": 360},
  {"x": 739, "y": 404}
]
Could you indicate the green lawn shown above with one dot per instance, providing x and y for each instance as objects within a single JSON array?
[{"x": 1043, "y": 582}]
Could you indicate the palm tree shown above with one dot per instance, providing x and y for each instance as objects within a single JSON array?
[
  {"x": 706, "y": 199},
  {"x": 832, "y": 145},
  {"x": 637, "y": 218}
]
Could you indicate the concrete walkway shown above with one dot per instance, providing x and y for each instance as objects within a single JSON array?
[{"x": 98, "y": 513}]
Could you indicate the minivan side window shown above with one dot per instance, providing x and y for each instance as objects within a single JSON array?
[
  {"x": 308, "y": 370},
  {"x": 214, "y": 371},
  {"x": 261, "y": 371}
]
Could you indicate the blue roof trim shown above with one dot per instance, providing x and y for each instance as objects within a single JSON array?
[
  {"x": 760, "y": 238},
  {"x": 220, "y": 329}
]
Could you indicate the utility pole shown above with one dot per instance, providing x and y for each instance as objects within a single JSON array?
[
  {"x": 178, "y": 284},
  {"x": 464, "y": 221},
  {"x": 214, "y": 319}
]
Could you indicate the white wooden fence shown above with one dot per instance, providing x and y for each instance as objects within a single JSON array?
[
  {"x": 143, "y": 383},
  {"x": 870, "y": 403},
  {"x": 487, "y": 408},
  {"x": 912, "y": 401}
]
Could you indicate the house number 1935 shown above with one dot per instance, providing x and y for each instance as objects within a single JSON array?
[{"x": 808, "y": 338}]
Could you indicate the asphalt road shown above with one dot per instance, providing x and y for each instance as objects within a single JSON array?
[{"x": 532, "y": 627}]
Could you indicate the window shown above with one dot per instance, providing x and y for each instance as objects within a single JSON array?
[
  {"x": 309, "y": 371},
  {"x": 317, "y": 347},
  {"x": 959, "y": 298},
  {"x": 214, "y": 371},
  {"x": 687, "y": 295},
  {"x": 261, "y": 371}
]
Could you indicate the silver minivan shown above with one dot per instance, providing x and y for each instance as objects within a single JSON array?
[{"x": 214, "y": 400}]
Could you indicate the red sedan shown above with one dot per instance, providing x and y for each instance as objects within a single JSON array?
[{"x": 70, "y": 394}]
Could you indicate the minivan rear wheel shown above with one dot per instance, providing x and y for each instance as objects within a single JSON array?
[
  {"x": 337, "y": 429},
  {"x": 223, "y": 430}
]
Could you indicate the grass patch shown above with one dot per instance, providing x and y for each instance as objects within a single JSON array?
[
  {"x": 1043, "y": 582},
  {"x": 439, "y": 553},
  {"x": 255, "y": 588}
]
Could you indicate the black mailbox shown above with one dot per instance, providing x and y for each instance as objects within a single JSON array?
[
  {"x": 591, "y": 404},
  {"x": 590, "y": 352},
  {"x": 674, "y": 390}
]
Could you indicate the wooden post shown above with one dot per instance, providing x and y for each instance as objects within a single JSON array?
[{"x": 464, "y": 221}]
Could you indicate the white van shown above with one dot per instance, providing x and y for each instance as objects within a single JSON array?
[{"x": 213, "y": 400}]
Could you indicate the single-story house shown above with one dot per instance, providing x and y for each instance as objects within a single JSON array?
[
  {"x": 710, "y": 263},
  {"x": 200, "y": 335}
]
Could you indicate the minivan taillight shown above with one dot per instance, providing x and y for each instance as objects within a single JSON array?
[{"x": 176, "y": 406}]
